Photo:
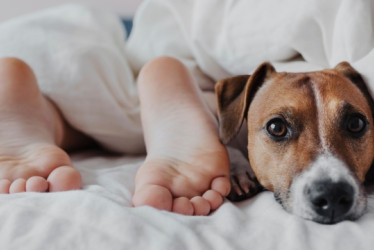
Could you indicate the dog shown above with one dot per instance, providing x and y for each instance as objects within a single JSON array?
[{"x": 310, "y": 139}]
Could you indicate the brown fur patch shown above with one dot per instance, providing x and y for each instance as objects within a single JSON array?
[
  {"x": 337, "y": 93},
  {"x": 313, "y": 121},
  {"x": 290, "y": 97}
]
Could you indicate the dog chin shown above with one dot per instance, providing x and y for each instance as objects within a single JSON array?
[{"x": 297, "y": 201}]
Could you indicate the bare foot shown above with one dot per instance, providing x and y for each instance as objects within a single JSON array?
[
  {"x": 32, "y": 132},
  {"x": 187, "y": 168}
]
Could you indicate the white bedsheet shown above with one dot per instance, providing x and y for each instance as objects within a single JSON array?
[{"x": 100, "y": 215}]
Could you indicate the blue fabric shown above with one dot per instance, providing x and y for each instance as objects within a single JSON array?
[{"x": 128, "y": 25}]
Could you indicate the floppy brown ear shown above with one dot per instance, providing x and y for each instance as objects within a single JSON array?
[
  {"x": 348, "y": 71},
  {"x": 234, "y": 96}
]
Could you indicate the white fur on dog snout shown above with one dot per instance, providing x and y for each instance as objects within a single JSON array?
[
  {"x": 325, "y": 167},
  {"x": 329, "y": 167}
]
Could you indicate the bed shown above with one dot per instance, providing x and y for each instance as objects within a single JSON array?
[{"x": 100, "y": 216}]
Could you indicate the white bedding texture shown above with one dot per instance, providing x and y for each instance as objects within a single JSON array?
[{"x": 84, "y": 64}]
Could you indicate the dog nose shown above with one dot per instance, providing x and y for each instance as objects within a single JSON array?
[{"x": 330, "y": 199}]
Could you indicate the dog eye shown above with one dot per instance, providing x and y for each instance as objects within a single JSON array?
[
  {"x": 356, "y": 124},
  {"x": 277, "y": 128}
]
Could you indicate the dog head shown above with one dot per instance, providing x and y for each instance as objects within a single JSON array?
[{"x": 310, "y": 136}]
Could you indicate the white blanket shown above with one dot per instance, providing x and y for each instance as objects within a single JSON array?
[
  {"x": 224, "y": 38},
  {"x": 79, "y": 58}
]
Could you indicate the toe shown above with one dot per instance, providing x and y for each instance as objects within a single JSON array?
[
  {"x": 182, "y": 205},
  {"x": 4, "y": 186},
  {"x": 17, "y": 186},
  {"x": 64, "y": 178},
  {"x": 200, "y": 205},
  {"x": 214, "y": 198},
  {"x": 36, "y": 184},
  {"x": 221, "y": 185},
  {"x": 153, "y": 195}
]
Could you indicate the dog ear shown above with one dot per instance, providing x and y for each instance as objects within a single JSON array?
[
  {"x": 348, "y": 71},
  {"x": 234, "y": 96}
]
